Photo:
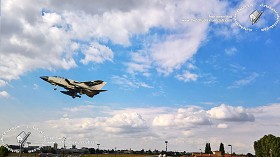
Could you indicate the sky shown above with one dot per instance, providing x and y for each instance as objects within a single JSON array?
[{"x": 188, "y": 72}]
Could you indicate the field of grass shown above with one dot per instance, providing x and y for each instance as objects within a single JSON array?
[
  {"x": 117, "y": 155},
  {"x": 86, "y": 155}
]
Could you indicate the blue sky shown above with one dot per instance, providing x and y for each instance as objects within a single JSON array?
[{"x": 187, "y": 82}]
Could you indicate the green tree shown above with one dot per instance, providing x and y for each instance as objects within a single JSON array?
[
  {"x": 267, "y": 146},
  {"x": 208, "y": 149},
  {"x": 3, "y": 151},
  {"x": 222, "y": 149},
  {"x": 92, "y": 150}
]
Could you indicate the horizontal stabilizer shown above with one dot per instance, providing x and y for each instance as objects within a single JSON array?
[{"x": 100, "y": 90}]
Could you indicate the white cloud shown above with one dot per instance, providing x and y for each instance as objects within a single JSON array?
[
  {"x": 73, "y": 125},
  {"x": 246, "y": 81},
  {"x": 170, "y": 51},
  {"x": 231, "y": 51},
  {"x": 230, "y": 113},
  {"x": 188, "y": 117},
  {"x": 3, "y": 83},
  {"x": 125, "y": 123},
  {"x": 164, "y": 120},
  {"x": 97, "y": 53},
  {"x": 153, "y": 124},
  {"x": 44, "y": 39},
  {"x": 222, "y": 126},
  {"x": 35, "y": 86},
  {"x": 4, "y": 94},
  {"x": 140, "y": 63},
  {"x": 32, "y": 40},
  {"x": 122, "y": 123},
  {"x": 188, "y": 133},
  {"x": 187, "y": 76},
  {"x": 79, "y": 108},
  {"x": 126, "y": 82},
  {"x": 49, "y": 34}
]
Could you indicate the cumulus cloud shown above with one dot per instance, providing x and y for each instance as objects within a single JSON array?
[
  {"x": 48, "y": 34},
  {"x": 189, "y": 117},
  {"x": 73, "y": 125},
  {"x": 97, "y": 53},
  {"x": 33, "y": 40},
  {"x": 230, "y": 113},
  {"x": 38, "y": 37},
  {"x": 125, "y": 123},
  {"x": 194, "y": 116},
  {"x": 174, "y": 124},
  {"x": 4, "y": 94}
]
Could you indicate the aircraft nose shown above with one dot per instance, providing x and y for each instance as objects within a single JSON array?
[{"x": 45, "y": 78}]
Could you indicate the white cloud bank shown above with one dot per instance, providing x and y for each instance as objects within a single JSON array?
[
  {"x": 192, "y": 125},
  {"x": 230, "y": 113},
  {"x": 150, "y": 127}
]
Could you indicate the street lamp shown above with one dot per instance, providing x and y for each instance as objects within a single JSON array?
[
  {"x": 98, "y": 148},
  {"x": 166, "y": 146},
  {"x": 230, "y": 150},
  {"x": 64, "y": 138}
]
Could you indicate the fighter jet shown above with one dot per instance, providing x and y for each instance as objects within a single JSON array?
[{"x": 75, "y": 88}]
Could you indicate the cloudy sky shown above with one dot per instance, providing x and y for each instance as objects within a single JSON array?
[{"x": 188, "y": 72}]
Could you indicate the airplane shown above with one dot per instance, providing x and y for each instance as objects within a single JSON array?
[{"x": 75, "y": 88}]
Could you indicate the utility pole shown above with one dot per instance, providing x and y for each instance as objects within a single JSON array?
[{"x": 115, "y": 151}]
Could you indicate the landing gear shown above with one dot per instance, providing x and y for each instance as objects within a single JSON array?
[
  {"x": 55, "y": 87},
  {"x": 76, "y": 96}
]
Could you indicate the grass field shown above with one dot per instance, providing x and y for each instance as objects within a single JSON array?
[
  {"x": 86, "y": 155},
  {"x": 117, "y": 155}
]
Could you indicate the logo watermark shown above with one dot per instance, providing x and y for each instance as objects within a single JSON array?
[
  {"x": 240, "y": 13},
  {"x": 9, "y": 139}
]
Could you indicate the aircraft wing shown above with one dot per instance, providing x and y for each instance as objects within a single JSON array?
[
  {"x": 71, "y": 93},
  {"x": 93, "y": 83}
]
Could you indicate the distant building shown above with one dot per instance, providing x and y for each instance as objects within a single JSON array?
[{"x": 218, "y": 153}]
